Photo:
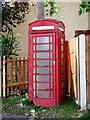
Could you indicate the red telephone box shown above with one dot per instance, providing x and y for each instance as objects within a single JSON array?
[{"x": 46, "y": 62}]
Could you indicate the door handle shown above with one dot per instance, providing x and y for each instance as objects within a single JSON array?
[{"x": 54, "y": 62}]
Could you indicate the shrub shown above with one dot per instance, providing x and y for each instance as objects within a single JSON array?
[{"x": 9, "y": 44}]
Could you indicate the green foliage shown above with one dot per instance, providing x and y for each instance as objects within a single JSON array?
[
  {"x": 13, "y": 13},
  {"x": 86, "y": 115},
  {"x": 9, "y": 44},
  {"x": 50, "y": 7},
  {"x": 84, "y": 7}
]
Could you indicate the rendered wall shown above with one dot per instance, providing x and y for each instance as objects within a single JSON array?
[{"x": 68, "y": 13}]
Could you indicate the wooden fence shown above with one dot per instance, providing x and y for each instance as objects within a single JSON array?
[
  {"x": 72, "y": 68},
  {"x": 78, "y": 71},
  {"x": 88, "y": 67},
  {"x": 13, "y": 77}
]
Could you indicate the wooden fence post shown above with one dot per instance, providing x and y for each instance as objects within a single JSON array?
[
  {"x": 0, "y": 76},
  {"x": 4, "y": 82},
  {"x": 82, "y": 72}
]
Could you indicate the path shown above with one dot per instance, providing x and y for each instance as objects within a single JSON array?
[{"x": 13, "y": 117}]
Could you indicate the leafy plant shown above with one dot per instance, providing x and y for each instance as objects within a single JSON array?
[
  {"x": 84, "y": 7},
  {"x": 9, "y": 44},
  {"x": 50, "y": 7}
]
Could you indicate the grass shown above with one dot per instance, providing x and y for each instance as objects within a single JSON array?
[
  {"x": 0, "y": 105},
  {"x": 86, "y": 115},
  {"x": 19, "y": 105}
]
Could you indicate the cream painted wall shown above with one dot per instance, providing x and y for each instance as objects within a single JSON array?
[{"x": 68, "y": 13}]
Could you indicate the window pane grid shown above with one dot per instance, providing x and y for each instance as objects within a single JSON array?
[{"x": 42, "y": 63}]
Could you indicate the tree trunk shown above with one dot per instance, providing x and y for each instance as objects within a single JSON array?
[{"x": 40, "y": 10}]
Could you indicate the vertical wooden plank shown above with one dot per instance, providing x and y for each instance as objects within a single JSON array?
[
  {"x": 12, "y": 68},
  {"x": 22, "y": 75},
  {"x": 17, "y": 73},
  {"x": 7, "y": 91},
  {"x": 66, "y": 57},
  {"x": 72, "y": 65},
  {"x": 71, "y": 47},
  {"x": 74, "y": 68},
  {"x": 16, "y": 70},
  {"x": 20, "y": 87},
  {"x": 88, "y": 71},
  {"x": 77, "y": 71},
  {"x": 24, "y": 69},
  {"x": 14, "y": 80},
  {"x": 4, "y": 82},
  {"x": 68, "y": 67},
  {"x": 26, "y": 74},
  {"x": 8, "y": 76},
  {"x": 69, "y": 71}
]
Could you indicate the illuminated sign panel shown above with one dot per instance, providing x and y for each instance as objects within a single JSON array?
[{"x": 42, "y": 27}]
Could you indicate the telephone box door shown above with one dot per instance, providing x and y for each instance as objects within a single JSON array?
[{"x": 43, "y": 68}]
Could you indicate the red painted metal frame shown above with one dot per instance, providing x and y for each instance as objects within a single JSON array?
[
  {"x": 50, "y": 100},
  {"x": 57, "y": 35}
]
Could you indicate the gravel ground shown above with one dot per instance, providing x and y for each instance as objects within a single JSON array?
[{"x": 8, "y": 116}]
